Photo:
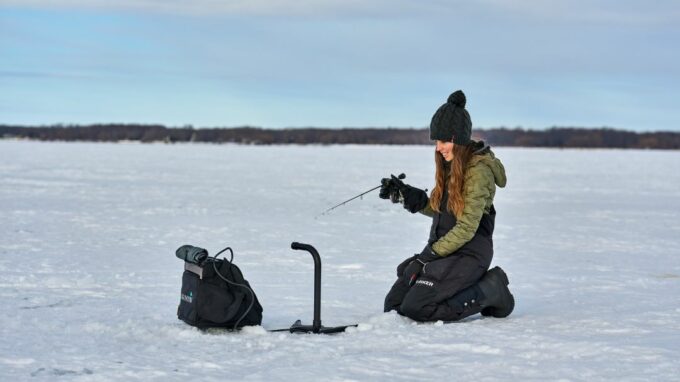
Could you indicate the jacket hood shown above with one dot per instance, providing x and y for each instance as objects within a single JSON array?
[{"x": 484, "y": 155}]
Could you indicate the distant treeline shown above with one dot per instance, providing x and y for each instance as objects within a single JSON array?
[{"x": 562, "y": 137}]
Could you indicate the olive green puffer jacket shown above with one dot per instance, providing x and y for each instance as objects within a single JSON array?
[{"x": 483, "y": 174}]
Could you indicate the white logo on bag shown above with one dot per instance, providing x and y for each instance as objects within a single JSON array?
[
  {"x": 188, "y": 298},
  {"x": 425, "y": 282}
]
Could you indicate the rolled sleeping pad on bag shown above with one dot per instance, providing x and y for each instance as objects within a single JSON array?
[{"x": 191, "y": 254}]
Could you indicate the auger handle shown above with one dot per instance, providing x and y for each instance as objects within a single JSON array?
[{"x": 316, "y": 323}]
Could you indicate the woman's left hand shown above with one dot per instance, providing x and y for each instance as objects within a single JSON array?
[
  {"x": 427, "y": 255},
  {"x": 412, "y": 271},
  {"x": 414, "y": 268}
]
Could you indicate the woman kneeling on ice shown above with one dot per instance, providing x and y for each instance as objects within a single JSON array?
[{"x": 449, "y": 280}]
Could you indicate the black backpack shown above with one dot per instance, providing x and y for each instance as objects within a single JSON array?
[{"x": 215, "y": 294}]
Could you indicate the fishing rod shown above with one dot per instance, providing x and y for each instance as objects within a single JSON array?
[{"x": 401, "y": 176}]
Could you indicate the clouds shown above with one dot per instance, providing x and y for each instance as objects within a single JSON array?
[
  {"x": 279, "y": 8},
  {"x": 343, "y": 63},
  {"x": 601, "y": 12},
  {"x": 609, "y": 12}
]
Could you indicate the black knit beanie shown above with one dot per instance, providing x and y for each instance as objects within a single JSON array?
[{"x": 451, "y": 122}]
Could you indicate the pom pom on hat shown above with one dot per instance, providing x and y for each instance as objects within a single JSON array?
[{"x": 457, "y": 98}]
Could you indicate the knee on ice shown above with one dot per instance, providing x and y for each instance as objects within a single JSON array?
[{"x": 413, "y": 309}]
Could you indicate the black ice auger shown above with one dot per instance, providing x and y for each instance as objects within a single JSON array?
[{"x": 316, "y": 326}]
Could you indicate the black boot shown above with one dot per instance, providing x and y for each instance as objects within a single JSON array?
[
  {"x": 498, "y": 301},
  {"x": 490, "y": 296},
  {"x": 466, "y": 302}
]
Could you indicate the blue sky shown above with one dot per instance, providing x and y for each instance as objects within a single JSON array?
[{"x": 340, "y": 63}]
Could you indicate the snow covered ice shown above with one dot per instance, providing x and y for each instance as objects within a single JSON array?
[{"x": 90, "y": 285}]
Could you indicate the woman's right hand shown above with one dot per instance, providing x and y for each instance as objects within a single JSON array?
[
  {"x": 414, "y": 199},
  {"x": 389, "y": 189}
]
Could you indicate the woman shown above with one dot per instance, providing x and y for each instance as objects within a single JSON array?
[{"x": 449, "y": 280}]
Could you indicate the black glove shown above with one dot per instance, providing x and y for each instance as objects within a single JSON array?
[
  {"x": 412, "y": 271},
  {"x": 427, "y": 255},
  {"x": 389, "y": 189},
  {"x": 414, "y": 268},
  {"x": 394, "y": 189},
  {"x": 402, "y": 266},
  {"x": 415, "y": 199}
]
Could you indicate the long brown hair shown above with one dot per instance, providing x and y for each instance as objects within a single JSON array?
[{"x": 456, "y": 184}]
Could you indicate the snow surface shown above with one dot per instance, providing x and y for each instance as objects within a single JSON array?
[{"x": 90, "y": 285}]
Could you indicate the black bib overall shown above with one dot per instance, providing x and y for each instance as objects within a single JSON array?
[{"x": 443, "y": 278}]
